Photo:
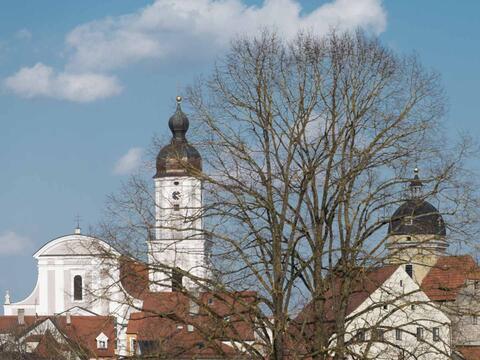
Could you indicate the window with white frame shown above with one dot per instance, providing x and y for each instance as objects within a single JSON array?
[
  {"x": 419, "y": 333},
  {"x": 398, "y": 334},
  {"x": 378, "y": 334},
  {"x": 133, "y": 345},
  {"x": 436, "y": 334},
  {"x": 360, "y": 336}
]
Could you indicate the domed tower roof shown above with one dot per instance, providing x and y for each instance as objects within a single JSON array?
[
  {"x": 178, "y": 158},
  {"x": 416, "y": 216}
]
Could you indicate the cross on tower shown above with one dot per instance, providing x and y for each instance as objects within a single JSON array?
[{"x": 77, "y": 220}]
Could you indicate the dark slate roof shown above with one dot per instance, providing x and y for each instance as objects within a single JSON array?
[
  {"x": 426, "y": 220},
  {"x": 178, "y": 158}
]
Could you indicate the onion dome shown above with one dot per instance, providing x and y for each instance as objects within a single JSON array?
[
  {"x": 416, "y": 216},
  {"x": 178, "y": 158}
]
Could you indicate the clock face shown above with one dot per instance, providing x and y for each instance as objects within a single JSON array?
[{"x": 176, "y": 195}]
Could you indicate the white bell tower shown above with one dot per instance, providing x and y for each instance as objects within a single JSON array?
[{"x": 178, "y": 247}]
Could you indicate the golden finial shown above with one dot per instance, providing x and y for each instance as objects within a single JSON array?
[{"x": 179, "y": 99}]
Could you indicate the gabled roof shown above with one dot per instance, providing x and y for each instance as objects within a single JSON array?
[
  {"x": 447, "y": 277},
  {"x": 80, "y": 334},
  {"x": 365, "y": 284},
  {"x": 48, "y": 347}
]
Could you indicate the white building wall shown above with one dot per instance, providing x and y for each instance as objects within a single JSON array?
[
  {"x": 58, "y": 262},
  {"x": 399, "y": 293}
]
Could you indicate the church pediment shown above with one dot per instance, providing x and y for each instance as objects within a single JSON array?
[{"x": 74, "y": 245}]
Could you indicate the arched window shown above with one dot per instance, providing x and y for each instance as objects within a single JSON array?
[{"x": 77, "y": 288}]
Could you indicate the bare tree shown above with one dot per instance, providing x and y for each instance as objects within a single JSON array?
[{"x": 308, "y": 146}]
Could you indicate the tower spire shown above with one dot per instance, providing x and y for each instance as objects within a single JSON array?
[
  {"x": 178, "y": 122},
  {"x": 415, "y": 185},
  {"x": 78, "y": 229}
]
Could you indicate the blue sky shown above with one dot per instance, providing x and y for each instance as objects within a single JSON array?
[{"x": 84, "y": 84}]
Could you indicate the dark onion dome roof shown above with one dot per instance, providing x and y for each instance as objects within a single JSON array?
[
  {"x": 417, "y": 217},
  {"x": 178, "y": 158}
]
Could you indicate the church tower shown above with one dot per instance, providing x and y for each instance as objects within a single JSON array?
[
  {"x": 416, "y": 233},
  {"x": 178, "y": 245}
]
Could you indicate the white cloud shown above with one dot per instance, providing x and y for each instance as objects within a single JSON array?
[
  {"x": 129, "y": 162},
  {"x": 12, "y": 244},
  {"x": 23, "y": 34},
  {"x": 42, "y": 81},
  {"x": 171, "y": 29},
  {"x": 191, "y": 27}
]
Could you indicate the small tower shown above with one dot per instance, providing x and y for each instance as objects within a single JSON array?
[
  {"x": 178, "y": 245},
  {"x": 416, "y": 233}
]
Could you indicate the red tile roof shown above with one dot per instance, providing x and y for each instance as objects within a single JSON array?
[
  {"x": 82, "y": 331},
  {"x": 469, "y": 352},
  {"x": 369, "y": 281},
  {"x": 218, "y": 317},
  {"x": 447, "y": 277},
  {"x": 48, "y": 347}
]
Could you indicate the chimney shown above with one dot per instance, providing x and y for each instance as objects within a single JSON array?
[
  {"x": 21, "y": 316},
  {"x": 68, "y": 318}
]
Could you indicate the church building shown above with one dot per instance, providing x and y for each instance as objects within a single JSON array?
[{"x": 80, "y": 276}]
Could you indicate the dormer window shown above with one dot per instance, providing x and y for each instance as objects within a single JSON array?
[
  {"x": 102, "y": 341},
  {"x": 408, "y": 220}
]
